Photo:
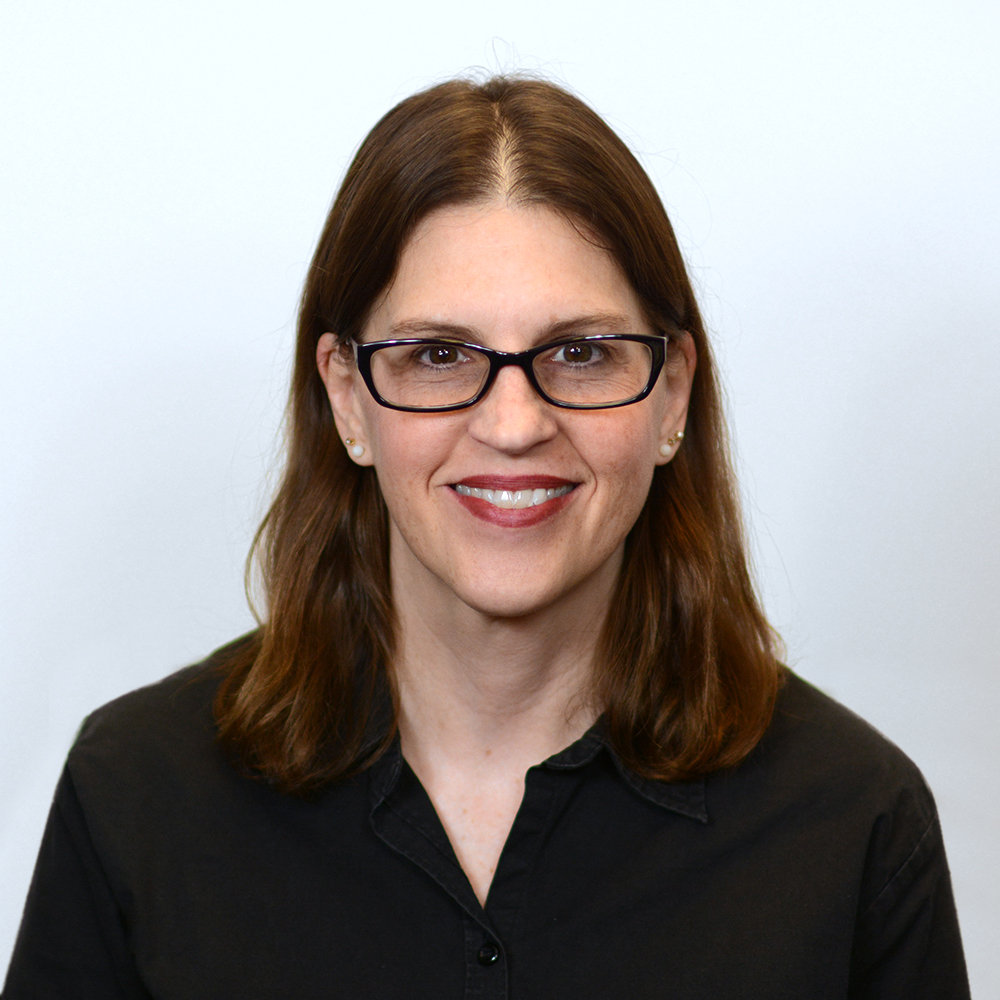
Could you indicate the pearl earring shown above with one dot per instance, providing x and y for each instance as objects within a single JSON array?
[
  {"x": 666, "y": 449},
  {"x": 357, "y": 450}
]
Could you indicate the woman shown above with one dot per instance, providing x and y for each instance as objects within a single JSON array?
[{"x": 514, "y": 724}]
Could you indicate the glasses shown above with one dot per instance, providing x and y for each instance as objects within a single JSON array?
[{"x": 583, "y": 373}]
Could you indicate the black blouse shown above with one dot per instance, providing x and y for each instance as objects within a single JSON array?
[{"x": 814, "y": 870}]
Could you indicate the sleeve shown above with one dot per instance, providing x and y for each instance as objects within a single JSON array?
[
  {"x": 907, "y": 942},
  {"x": 73, "y": 942}
]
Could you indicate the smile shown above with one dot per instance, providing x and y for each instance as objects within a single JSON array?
[{"x": 513, "y": 499}]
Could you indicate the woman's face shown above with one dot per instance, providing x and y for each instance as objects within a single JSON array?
[{"x": 508, "y": 279}]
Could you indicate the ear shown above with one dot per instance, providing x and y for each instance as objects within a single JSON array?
[
  {"x": 344, "y": 387},
  {"x": 678, "y": 374}
]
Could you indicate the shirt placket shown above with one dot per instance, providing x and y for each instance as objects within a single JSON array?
[{"x": 404, "y": 818}]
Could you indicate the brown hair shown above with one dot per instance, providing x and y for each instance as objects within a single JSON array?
[{"x": 687, "y": 668}]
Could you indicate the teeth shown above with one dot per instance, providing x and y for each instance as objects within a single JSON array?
[{"x": 512, "y": 499}]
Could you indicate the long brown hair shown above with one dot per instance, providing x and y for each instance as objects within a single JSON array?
[{"x": 687, "y": 668}]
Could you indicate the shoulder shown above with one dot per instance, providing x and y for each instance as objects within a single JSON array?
[
  {"x": 821, "y": 768},
  {"x": 159, "y": 734},
  {"x": 865, "y": 828},
  {"x": 836, "y": 789},
  {"x": 814, "y": 735}
]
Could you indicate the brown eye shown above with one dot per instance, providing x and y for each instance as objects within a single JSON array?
[
  {"x": 440, "y": 355},
  {"x": 577, "y": 353}
]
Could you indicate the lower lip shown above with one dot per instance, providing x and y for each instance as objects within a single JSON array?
[{"x": 506, "y": 517}]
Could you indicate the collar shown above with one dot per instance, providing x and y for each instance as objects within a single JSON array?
[{"x": 684, "y": 797}]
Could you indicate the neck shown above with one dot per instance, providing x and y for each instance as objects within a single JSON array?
[
  {"x": 490, "y": 690},
  {"x": 485, "y": 696}
]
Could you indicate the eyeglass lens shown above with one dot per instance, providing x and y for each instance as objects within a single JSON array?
[{"x": 583, "y": 372}]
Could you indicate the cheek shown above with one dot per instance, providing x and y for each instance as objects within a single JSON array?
[
  {"x": 407, "y": 450},
  {"x": 622, "y": 457},
  {"x": 631, "y": 487}
]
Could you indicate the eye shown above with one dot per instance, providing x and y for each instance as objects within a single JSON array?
[
  {"x": 437, "y": 355},
  {"x": 580, "y": 352}
]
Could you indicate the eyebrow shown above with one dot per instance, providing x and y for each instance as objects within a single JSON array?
[{"x": 577, "y": 325}]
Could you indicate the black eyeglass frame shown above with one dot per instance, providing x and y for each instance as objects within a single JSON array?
[{"x": 501, "y": 359}]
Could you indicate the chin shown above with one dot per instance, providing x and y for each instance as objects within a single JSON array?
[
  {"x": 507, "y": 595},
  {"x": 494, "y": 603}
]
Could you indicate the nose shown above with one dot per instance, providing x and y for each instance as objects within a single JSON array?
[{"x": 512, "y": 417}]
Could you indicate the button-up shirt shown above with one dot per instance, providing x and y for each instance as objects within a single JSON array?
[{"x": 813, "y": 870}]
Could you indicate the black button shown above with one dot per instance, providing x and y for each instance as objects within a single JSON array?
[{"x": 489, "y": 953}]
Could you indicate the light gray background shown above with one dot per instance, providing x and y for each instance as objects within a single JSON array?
[{"x": 832, "y": 172}]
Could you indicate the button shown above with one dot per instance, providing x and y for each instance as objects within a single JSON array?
[{"x": 489, "y": 953}]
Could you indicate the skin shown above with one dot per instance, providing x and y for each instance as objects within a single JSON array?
[{"x": 498, "y": 623}]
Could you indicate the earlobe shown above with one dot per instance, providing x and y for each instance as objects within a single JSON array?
[
  {"x": 339, "y": 376},
  {"x": 668, "y": 446}
]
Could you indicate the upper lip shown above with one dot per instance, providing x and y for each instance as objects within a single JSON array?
[{"x": 514, "y": 482}]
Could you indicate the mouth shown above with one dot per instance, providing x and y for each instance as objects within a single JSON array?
[
  {"x": 513, "y": 499},
  {"x": 536, "y": 494}
]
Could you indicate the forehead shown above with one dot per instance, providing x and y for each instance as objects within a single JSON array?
[{"x": 500, "y": 270}]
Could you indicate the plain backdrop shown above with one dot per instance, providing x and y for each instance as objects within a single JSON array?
[{"x": 832, "y": 172}]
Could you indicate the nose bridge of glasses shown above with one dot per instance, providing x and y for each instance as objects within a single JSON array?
[{"x": 502, "y": 360}]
